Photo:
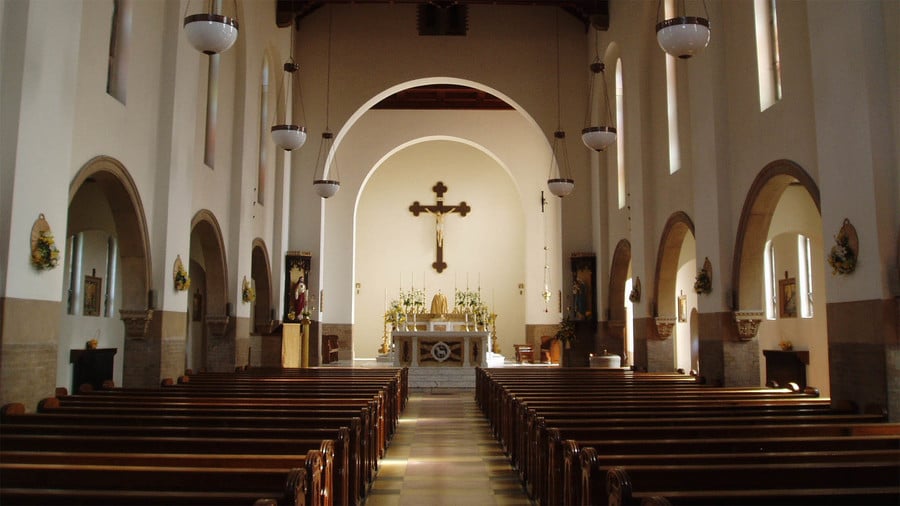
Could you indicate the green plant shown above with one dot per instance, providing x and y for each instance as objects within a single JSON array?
[{"x": 565, "y": 331}]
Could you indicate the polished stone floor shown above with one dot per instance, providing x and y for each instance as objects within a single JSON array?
[{"x": 443, "y": 453}]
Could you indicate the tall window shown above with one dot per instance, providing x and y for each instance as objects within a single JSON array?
[
  {"x": 768, "y": 57},
  {"x": 805, "y": 291},
  {"x": 672, "y": 102},
  {"x": 263, "y": 132},
  {"x": 620, "y": 132},
  {"x": 212, "y": 111},
  {"x": 119, "y": 37},
  {"x": 771, "y": 285}
]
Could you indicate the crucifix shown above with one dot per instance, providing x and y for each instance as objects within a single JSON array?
[{"x": 439, "y": 210}]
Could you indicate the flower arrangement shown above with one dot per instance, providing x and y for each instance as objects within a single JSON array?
[
  {"x": 842, "y": 258},
  {"x": 467, "y": 302},
  {"x": 91, "y": 345},
  {"x": 44, "y": 254},
  {"x": 413, "y": 301},
  {"x": 248, "y": 294},
  {"x": 182, "y": 280},
  {"x": 565, "y": 332},
  {"x": 786, "y": 345},
  {"x": 703, "y": 282}
]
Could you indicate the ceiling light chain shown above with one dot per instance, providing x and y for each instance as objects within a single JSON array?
[{"x": 324, "y": 187}]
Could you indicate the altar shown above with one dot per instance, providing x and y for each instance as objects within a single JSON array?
[{"x": 440, "y": 348}]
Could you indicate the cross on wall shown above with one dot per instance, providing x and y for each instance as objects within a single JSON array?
[{"x": 439, "y": 210}]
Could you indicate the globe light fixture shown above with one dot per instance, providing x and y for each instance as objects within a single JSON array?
[
  {"x": 210, "y": 32},
  {"x": 682, "y": 36}
]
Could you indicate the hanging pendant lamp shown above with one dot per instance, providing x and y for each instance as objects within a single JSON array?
[
  {"x": 682, "y": 36},
  {"x": 210, "y": 32},
  {"x": 289, "y": 135},
  {"x": 326, "y": 180},
  {"x": 324, "y": 187},
  {"x": 595, "y": 137},
  {"x": 559, "y": 182}
]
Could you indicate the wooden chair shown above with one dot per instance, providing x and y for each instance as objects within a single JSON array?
[
  {"x": 330, "y": 348},
  {"x": 550, "y": 350},
  {"x": 524, "y": 353}
]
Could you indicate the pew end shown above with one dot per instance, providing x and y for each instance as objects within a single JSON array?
[
  {"x": 13, "y": 408},
  {"x": 47, "y": 403}
]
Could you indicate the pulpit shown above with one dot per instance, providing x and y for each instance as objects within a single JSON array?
[{"x": 92, "y": 367}]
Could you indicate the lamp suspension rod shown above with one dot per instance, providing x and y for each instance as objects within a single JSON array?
[
  {"x": 328, "y": 70},
  {"x": 558, "y": 102}
]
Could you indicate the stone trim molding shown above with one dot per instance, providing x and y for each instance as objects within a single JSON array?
[
  {"x": 664, "y": 326},
  {"x": 137, "y": 322},
  {"x": 748, "y": 323},
  {"x": 218, "y": 325}
]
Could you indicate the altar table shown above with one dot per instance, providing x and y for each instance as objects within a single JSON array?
[{"x": 418, "y": 348}]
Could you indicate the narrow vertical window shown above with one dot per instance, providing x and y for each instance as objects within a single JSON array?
[
  {"x": 263, "y": 132},
  {"x": 770, "y": 284},
  {"x": 112, "y": 265},
  {"x": 805, "y": 269},
  {"x": 672, "y": 102},
  {"x": 212, "y": 111},
  {"x": 119, "y": 37},
  {"x": 620, "y": 131},
  {"x": 768, "y": 56}
]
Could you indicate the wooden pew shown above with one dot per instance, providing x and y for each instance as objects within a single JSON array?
[
  {"x": 155, "y": 433},
  {"x": 833, "y": 482},
  {"x": 656, "y": 409},
  {"x": 70, "y": 483},
  {"x": 273, "y": 409},
  {"x": 590, "y": 468}
]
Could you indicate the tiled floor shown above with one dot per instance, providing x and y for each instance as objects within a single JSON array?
[{"x": 443, "y": 453}]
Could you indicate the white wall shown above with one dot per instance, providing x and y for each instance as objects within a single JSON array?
[{"x": 485, "y": 249}]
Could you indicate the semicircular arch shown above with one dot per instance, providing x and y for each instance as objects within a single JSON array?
[{"x": 756, "y": 217}]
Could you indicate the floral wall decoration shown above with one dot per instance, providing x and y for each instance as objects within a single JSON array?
[
  {"x": 248, "y": 294},
  {"x": 845, "y": 252},
  {"x": 44, "y": 254},
  {"x": 703, "y": 281},
  {"x": 180, "y": 275}
]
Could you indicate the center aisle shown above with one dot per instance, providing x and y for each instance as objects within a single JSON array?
[{"x": 443, "y": 453}]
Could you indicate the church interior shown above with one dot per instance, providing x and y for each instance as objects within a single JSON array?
[{"x": 535, "y": 186}]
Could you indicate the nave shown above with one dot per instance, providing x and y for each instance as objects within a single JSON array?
[{"x": 443, "y": 453}]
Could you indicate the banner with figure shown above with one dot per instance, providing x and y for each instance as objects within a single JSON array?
[{"x": 296, "y": 286}]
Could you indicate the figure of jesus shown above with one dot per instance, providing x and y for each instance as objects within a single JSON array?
[{"x": 438, "y": 226}]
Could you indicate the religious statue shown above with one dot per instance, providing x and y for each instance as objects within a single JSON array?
[
  {"x": 299, "y": 295},
  {"x": 438, "y": 226},
  {"x": 439, "y": 304}
]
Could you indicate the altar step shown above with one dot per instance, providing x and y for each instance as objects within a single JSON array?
[
  {"x": 448, "y": 379},
  {"x": 441, "y": 379}
]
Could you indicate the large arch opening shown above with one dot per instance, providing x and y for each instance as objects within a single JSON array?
[
  {"x": 515, "y": 143},
  {"x": 673, "y": 296},
  {"x": 210, "y": 340},
  {"x": 621, "y": 327},
  {"x": 779, "y": 269},
  {"x": 108, "y": 244}
]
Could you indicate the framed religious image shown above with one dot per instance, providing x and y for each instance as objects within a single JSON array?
[
  {"x": 787, "y": 297},
  {"x": 296, "y": 286},
  {"x": 92, "y": 295},
  {"x": 682, "y": 308},
  {"x": 584, "y": 304},
  {"x": 197, "y": 307}
]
